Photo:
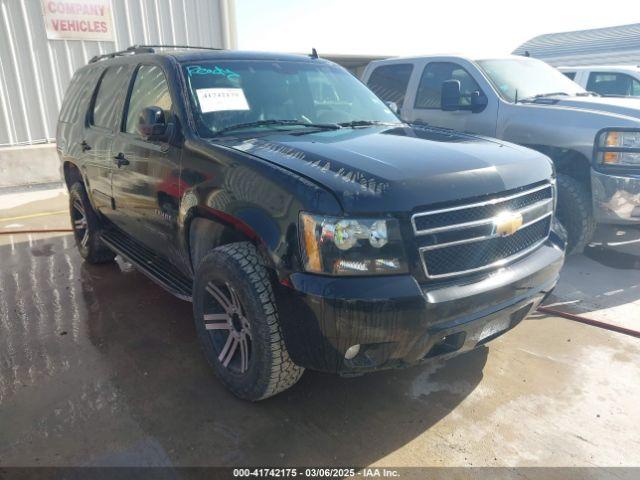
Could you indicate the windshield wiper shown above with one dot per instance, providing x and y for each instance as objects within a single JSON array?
[
  {"x": 363, "y": 123},
  {"x": 543, "y": 95},
  {"x": 261, "y": 123}
]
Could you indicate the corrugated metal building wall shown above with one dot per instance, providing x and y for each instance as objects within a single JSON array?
[
  {"x": 601, "y": 46},
  {"x": 35, "y": 71}
]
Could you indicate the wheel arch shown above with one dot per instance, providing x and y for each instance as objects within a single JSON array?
[
  {"x": 568, "y": 162},
  {"x": 72, "y": 173},
  {"x": 206, "y": 229}
]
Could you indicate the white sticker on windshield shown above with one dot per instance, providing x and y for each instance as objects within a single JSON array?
[{"x": 221, "y": 99}]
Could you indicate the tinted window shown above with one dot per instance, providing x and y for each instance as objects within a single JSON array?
[
  {"x": 609, "y": 83},
  {"x": 430, "y": 87},
  {"x": 390, "y": 82},
  {"x": 149, "y": 90},
  {"x": 571, "y": 75},
  {"x": 105, "y": 107},
  {"x": 78, "y": 95}
]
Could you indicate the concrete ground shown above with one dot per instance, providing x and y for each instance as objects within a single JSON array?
[{"x": 99, "y": 366}]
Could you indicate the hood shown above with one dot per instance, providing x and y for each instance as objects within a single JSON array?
[
  {"x": 399, "y": 169},
  {"x": 629, "y": 107}
]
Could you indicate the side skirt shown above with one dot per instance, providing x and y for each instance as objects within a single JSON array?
[{"x": 154, "y": 266}]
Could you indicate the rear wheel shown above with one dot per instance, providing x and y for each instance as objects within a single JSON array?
[
  {"x": 87, "y": 227},
  {"x": 237, "y": 323},
  {"x": 575, "y": 212}
]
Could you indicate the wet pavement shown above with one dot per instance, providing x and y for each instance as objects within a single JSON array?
[{"x": 99, "y": 366}]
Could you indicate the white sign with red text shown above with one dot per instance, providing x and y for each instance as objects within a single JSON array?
[{"x": 78, "y": 20}]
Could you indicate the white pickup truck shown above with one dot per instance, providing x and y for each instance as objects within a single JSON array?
[
  {"x": 609, "y": 81},
  {"x": 594, "y": 141}
]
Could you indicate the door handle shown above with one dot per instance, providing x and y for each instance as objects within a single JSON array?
[
  {"x": 121, "y": 160},
  {"x": 85, "y": 146}
]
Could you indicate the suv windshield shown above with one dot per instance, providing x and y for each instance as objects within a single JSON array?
[
  {"x": 245, "y": 94},
  {"x": 525, "y": 78}
]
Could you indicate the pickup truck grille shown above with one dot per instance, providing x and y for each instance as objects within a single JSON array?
[{"x": 483, "y": 235}]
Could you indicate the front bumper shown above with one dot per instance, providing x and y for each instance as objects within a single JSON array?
[
  {"x": 399, "y": 322},
  {"x": 616, "y": 198}
]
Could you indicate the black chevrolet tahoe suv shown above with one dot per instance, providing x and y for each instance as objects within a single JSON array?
[{"x": 309, "y": 226}]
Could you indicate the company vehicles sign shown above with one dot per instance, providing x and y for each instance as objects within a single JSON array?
[{"x": 78, "y": 20}]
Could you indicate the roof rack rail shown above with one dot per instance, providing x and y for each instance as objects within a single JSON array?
[
  {"x": 177, "y": 46},
  {"x": 136, "y": 49}
]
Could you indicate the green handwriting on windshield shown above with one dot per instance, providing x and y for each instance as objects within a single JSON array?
[{"x": 216, "y": 70}]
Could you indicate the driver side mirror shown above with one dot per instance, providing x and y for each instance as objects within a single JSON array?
[
  {"x": 450, "y": 95},
  {"x": 152, "y": 124}
]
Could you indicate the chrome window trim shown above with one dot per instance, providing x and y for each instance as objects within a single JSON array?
[{"x": 472, "y": 205}]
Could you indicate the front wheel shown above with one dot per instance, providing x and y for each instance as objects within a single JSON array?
[
  {"x": 237, "y": 323},
  {"x": 575, "y": 212}
]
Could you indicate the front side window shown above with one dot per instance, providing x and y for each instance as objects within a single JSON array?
[
  {"x": 526, "y": 78},
  {"x": 150, "y": 89},
  {"x": 612, "y": 83},
  {"x": 570, "y": 75},
  {"x": 230, "y": 93},
  {"x": 429, "y": 93},
  {"x": 105, "y": 106},
  {"x": 390, "y": 82}
]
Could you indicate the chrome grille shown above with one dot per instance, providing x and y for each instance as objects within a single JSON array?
[{"x": 469, "y": 238}]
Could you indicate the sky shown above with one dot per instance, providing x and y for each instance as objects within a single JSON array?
[{"x": 414, "y": 27}]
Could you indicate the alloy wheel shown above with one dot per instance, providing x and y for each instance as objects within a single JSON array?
[
  {"x": 80, "y": 225},
  {"x": 228, "y": 327}
]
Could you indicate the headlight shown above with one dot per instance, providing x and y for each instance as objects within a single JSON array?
[
  {"x": 619, "y": 148},
  {"x": 347, "y": 246}
]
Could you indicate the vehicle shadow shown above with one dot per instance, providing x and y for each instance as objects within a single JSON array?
[
  {"x": 100, "y": 366},
  {"x": 175, "y": 398},
  {"x": 616, "y": 247}
]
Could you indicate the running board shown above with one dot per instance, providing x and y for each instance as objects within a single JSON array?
[{"x": 147, "y": 262}]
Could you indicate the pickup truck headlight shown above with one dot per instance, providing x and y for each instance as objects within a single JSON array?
[
  {"x": 349, "y": 246},
  {"x": 619, "y": 148}
]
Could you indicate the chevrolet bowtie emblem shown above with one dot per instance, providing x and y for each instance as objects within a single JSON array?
[{"x": 507, "y": 223}]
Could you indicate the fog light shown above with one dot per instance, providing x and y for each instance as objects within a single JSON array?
[{"x": 352, "y": 351}]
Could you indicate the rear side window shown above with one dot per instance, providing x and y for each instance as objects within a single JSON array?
[
  {"x": 613, "y": 83},
  {"x": 570, "y": 75},
  {"x": 78, "y": 95},
  {"x": 389, "y": 82},
  {"x": 430, "y": 87},
  {"x": 150, "y": 89},
  {"x": 105, "y": 106}
]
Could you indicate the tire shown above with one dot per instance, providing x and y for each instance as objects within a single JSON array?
[
  {"x": 87, "y": 227},
  {"x": 575, "y": 213},
  {"x": 237, "y": 323}
]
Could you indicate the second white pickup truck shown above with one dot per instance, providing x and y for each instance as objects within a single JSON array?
[{"x": 609, "y": 81}]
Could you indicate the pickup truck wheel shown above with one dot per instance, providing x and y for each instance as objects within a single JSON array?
[
  {"x": 575, "y": 213},
  {"x": 86, "y": 227},
  {"x": 237, "y": 323}
]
